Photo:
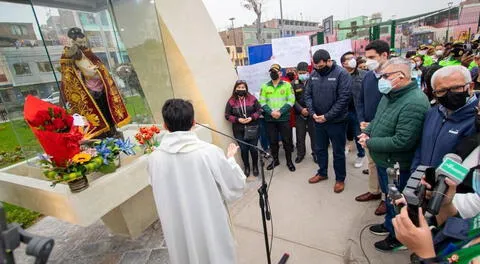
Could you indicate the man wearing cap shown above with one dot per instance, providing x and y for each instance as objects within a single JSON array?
[
  {"x": 277, "y": 98},
  {"x": 327, "y": 96},
  {"x": 427, "y": 60},
  {"x": 457, "y": 56},
  {"x": 303, "y": 121}
]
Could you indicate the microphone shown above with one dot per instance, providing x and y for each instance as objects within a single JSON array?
[
  {"x": 265, "y": 154},
  {"x": 451, "y": 168}
]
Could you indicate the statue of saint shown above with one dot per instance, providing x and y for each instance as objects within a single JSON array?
[{"x": 89, "y": 89}]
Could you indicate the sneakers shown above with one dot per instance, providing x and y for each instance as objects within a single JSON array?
[
  {"x": 359, "y": 162},
  {"x": 379, "y": 230},
  {"x": 389, "y": 244}
]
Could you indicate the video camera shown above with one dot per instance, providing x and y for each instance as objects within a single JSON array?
[
  {"x": 415, "y": 192},
  {"x": 12, "y": 235}
]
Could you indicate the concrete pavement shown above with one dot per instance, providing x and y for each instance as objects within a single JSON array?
[{"x": 311, "y": 222}]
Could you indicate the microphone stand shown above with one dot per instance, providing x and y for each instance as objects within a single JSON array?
[{"x": 262, "y": 193}]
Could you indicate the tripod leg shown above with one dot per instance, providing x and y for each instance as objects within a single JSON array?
[{"x": 264, "y": 222}]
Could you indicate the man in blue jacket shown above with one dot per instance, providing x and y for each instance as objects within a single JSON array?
[
  {"x": 327, "y": 96},
  {"x": 366, "y": 103},
  {"x": 446, "y": 124}
]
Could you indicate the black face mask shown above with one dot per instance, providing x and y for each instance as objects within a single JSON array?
[
  {"x": 454, "y": 100},
  {"x": 323, "y": 71},
  {"x": 274, "y": 75},
  {"x": 241, "y": 93},
  {"x": 291, "y": 76}
]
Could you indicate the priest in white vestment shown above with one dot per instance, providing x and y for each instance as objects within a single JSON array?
[{"x": 191, "y": 182}]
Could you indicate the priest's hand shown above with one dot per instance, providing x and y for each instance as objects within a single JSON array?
[{"x": 232, "y": 150}]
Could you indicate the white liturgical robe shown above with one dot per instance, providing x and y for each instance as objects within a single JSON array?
[{"x": 191, "y": 180}]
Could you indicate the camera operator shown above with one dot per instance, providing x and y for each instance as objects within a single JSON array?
[{"x": 419, "y": 239}]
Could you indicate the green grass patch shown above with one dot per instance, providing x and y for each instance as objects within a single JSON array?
[
  {"x": 20, "y": 215},
  {"x": 136, "y": 106}
]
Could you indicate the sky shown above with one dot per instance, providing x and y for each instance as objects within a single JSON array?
[{"x": 317, "y": 10}]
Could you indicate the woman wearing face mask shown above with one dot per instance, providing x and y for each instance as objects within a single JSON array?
[
  {"x": 418, "y": 70},
  {"x": 243, "y": 111}
]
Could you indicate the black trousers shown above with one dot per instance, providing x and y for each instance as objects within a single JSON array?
[
  {"x": 273, "y": 128},
  {"x": 245, "y": 150},
  {"x": 304, "y": 125}
]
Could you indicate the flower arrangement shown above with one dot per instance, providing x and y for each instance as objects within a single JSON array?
[
  {"x": 99, "y": 158},
  {"x": 146, "y": 138},
  {"x": 54, "y": 129}
]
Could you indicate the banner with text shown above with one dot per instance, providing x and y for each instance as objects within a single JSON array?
[
  {"x": 336, "y": 49},
  {"x": 288, "y": 52},
  {"x": 255, "y": 75}
]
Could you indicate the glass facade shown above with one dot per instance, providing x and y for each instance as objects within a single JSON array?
[{"x": 33, "y": 35}]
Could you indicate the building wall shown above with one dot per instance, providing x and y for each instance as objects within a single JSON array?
[
  {"x": 347, "y": 23},
  {"x": 227, "y": 37},
  {"x": 16, "y": 31},
  {"x": 250, "y": 35}
]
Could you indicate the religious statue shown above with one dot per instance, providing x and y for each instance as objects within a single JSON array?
[{"x": 89, "y": 89}]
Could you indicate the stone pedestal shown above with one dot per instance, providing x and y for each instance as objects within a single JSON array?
[{"x": 123, "y": 199}]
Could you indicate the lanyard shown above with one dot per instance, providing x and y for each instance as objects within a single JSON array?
[{"x": 243, "y": 107}]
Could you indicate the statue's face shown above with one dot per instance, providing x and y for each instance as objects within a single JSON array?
[{"x": 75, "y": 33}]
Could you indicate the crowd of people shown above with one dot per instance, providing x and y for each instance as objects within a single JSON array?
[{"x": 403, "y": 111}]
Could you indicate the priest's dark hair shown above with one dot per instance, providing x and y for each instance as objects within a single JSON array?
[{"x": 178, "y": 115}]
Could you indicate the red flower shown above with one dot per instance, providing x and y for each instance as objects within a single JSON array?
[
  {"x": 148, "y": 136},
  {"x": 155, "y": 129},
  {"x": 43, "y": 116},
  {"x": 143, "y": 130},
  {"x": 68, "y": 119},
  {"x": 50, "y": 127},
  {"x": 58, "y": 112},
  {"x": 59, "y": 124}
]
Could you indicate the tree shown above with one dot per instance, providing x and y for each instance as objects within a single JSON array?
[{"x": 256, "y": 6}]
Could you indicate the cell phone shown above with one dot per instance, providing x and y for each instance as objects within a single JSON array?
[{"x": 430, "y": 176}]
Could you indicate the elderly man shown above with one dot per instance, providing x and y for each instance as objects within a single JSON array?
[
  {"x": 393, "y": 135},
  {"x": 450, "y": 121}
]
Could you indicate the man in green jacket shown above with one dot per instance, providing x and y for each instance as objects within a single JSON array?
[
  {"x": 394, "y": 134},
  {"x": 276, "y": 99}
]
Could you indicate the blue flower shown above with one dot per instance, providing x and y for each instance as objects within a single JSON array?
[
  {"x": 125, "y": 146},
  {"x": 104, "y": 152}
]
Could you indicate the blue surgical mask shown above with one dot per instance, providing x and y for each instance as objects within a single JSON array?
[
  {"x": 476, "y": 181},
  {"x": 385, "y": 86},
  {"x": 303, "y": 77}
]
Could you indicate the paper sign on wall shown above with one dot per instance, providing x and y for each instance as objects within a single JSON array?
[
  {"x": 255, "y": 75},
  {"x": 288, "y": 52},
  {"x": 336, "y": 49}
]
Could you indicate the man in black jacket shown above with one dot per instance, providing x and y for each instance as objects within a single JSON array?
[
  {"x": 303, "y": 120},
  {"x": 327, "y": 96}
]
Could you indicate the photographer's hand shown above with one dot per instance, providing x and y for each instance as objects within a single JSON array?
[
  {"x": 417, "y": 239},
  {"x": 448, "y": 209}
]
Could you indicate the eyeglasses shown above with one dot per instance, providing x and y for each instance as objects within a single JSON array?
[
  {"x": 388, "y": 74},
  {"x": 442, "y": 92}
]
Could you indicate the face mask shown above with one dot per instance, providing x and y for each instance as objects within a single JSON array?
[
  {"x": 241, "y": 93},
  {"x": 422, "y": 52},
  {"x": 439, "y": 53},
  {"x": 385, "y": 86},
  {"x": 453, "y": 100},
  {"x": 323, "y": 71},
  {"x": 476, "y": 181},
  {"x": 418, "y": 63},
  {"x": 372, "y": 64},
  {"x": 352, "y": 63},
  {"x": 274, "y": 75},
  {"x": 303, "y": 77},
  {"x": 291, "y": 76}
]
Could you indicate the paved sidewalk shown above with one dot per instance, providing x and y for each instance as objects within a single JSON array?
[{"x": 311, "y": 222}]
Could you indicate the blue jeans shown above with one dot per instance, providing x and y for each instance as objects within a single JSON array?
[
  {"x": 353, "y": 130},
  {"x": 334, "y": 132},
  {"x": 383, "y": 180},
  {"x": 263, "y": 134}
]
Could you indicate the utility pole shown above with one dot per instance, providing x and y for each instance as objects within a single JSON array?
[
  {"x": 281, "y": 19},
  {"x": 450, "y": 4},
  {"x": 235, "y": 57}
]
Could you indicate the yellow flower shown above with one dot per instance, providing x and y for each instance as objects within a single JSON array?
[{"x": 82, "y": 158}]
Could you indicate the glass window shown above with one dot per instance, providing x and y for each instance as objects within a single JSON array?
[
  {"x": 269, "y": 35},
  {"x": 21, "y": 69},
  {"x": 239, "y": 49}
]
